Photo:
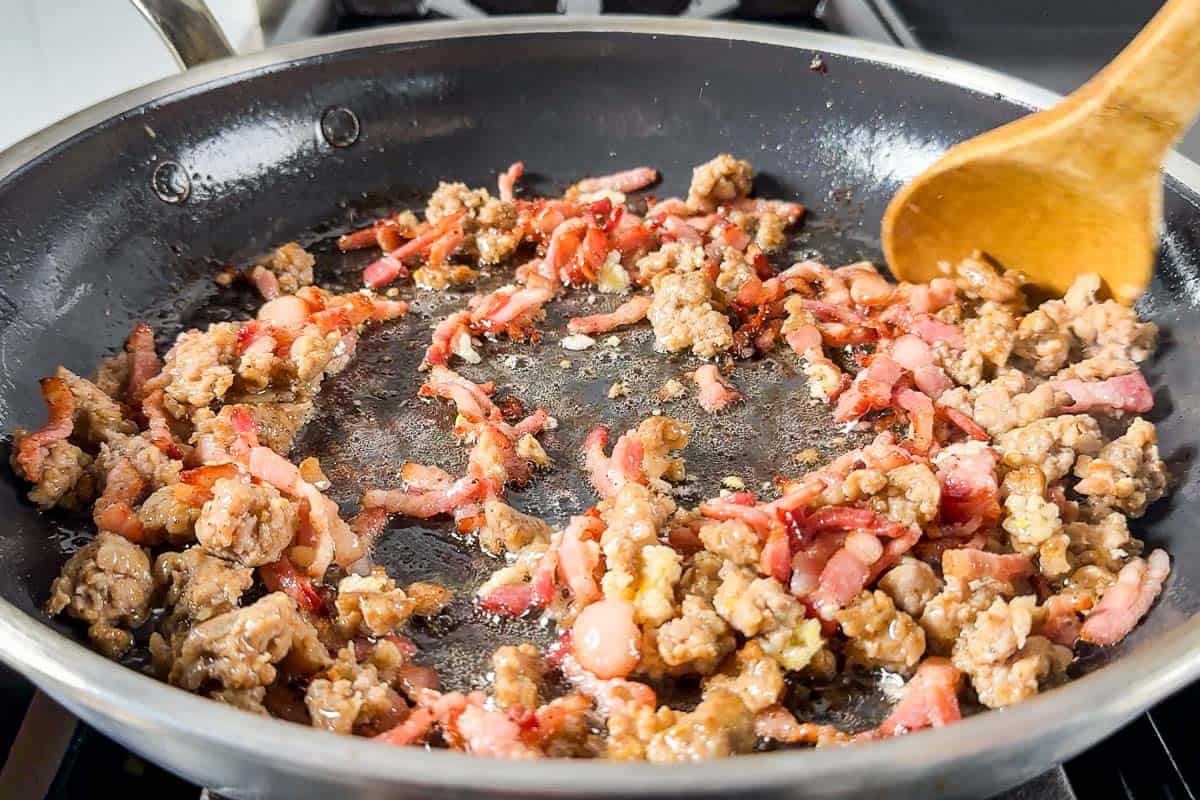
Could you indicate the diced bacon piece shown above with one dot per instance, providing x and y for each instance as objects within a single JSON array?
[
  {"x": 579, "y": 558},
  {"x": 676, "y": 228},
  {"x": 631, "y": 312},
  {"x": 760, "y": 518},
  {"x": 775, "y": 559},
  {"x": 780, "y": 725},
  {"x": 445, "y": 246},
  {"x": 471, "y": 399},
  {"x": 932, "y": 381},
  {"x": 113, "y": 510},
  {"x": 628, "y": 181},
  {"x": 266, "y": 281},
  {"x": 733, "y": 236},
  {"x": 929, "y": 699},
  {"x": 508, "y": 180},
  {"x": 808, "y": 563},
  {"x": 385, "y": 234},
  {"x": 515, "y": 307},
  {"x": 1128, "y": 392},
  {"x": 782, "y": 208},
  {"x": 144, "y": 362},
  {"x": 714, "y": 393},
  {"x": 532, "y": 424},
  {"x": 606, "y": 639},
  {"x": 871, "y": 389},
  {"x": 927, "y": 298},
  {"x": 282, "y": 576},
  {"x": 368, "y": 525},
  {"x": 867, "y": 286},
  {"x": 911, "y": 352},
  {"x": 424, "y": 503},
  {"x": 510, "y": 600},
  {"x": 971, "y": 564},
  {"x": 1125, "y": 602},
  {"x": 447, "y": 338},
  {"x": 920, "y": 415},
  {"x": 970, "y": 492},
  {"x": 491, "y": 734},
  {"x": 493, "y": 460},
  {"x": 287, "y": 312},
  {"x": 267, "y": 465},
  {"x": 421, "y": 477},
  {"x": 564, "y": 242},
  {"x": 60, "y": 406},
  {"x": 842, "y": 578},
  {"x": 609, "y": 473},
  {"x": 933, "y": 330},
  {"x": 667, "y": 206},
  {"x": 414, "y": 729},
  {"x": 963, "y": 423},
  {"x": 597, "y": 463},
  {"x": 382, "y": 310},
  {"x": 1062, "y": 624},
  {"x": 387, "y": 269}
]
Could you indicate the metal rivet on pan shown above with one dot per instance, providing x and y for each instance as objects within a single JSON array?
[
  {"x": 340, "y": 127},
  {"x": 170, "y": 182}
]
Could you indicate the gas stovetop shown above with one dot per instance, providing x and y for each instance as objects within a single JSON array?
[{"x": 1154, "y": 758}]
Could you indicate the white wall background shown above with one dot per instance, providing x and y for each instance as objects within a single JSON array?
[{"x": 59, "y": 56}]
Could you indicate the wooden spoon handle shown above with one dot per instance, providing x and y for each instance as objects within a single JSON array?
[{"x": 1151, "y": 91}]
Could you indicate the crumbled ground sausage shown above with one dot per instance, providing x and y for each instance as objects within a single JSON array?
[
  {"x": 719, "y": 181},
  {"x": 97, "y": 416},
  {"x": 762, "y": 607},
  {"x": 1126, "y": 474},
  {"x": 247, "y": 647},
  {"x": 720, "y": 726},
  {"x": 196, "y": 587},
  {"x": 518, "y": 672},
  {"x": 428, "y": 599},
  {"x": 678, "y": 257},
  {"x": 640, "y": 570},
  {"x": 1051, "y": 444},
  {"x": 1006, "y": 664},
  {"x": 879, "y": 635},
  {"x": 371, "y": 605},
  {"x": 683, "y": 316},
  {"x": 250, "y": 523},
  {"x": 292, "y": 265},
  {"x": 911, "y": 495},
  {"x": 911, "y": 584},
  {"x": 947, "y": 612},
  {"x": 107, "y": 584},
  {"x": 697, "y": 640},
  {"x": 165, "y": 516},
  {"x": 66, "y": 479},
  {"x": 199, "y": 369},
  {"x": 752, "y": 675},
  {"x": 356, "y": 697},
  {"x": 506, "y": 530},
  {"x": 732, "y": 540}
]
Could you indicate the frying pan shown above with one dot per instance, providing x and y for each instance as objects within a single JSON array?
[{"x": 123, "y": 212}]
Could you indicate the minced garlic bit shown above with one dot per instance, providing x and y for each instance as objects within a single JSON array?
[
  {"x": 733, "y": 482},
  {"x": 612, "y": 278},
  {"x": 808, "y": 456},
  {"x": 613, "y": 341},
  {"x": 671, "y": 390},
  {"x": 565, "y": 364},
  {"x": 617, "y": 390},
  {"x": 531, "y": 450},
  {"x": 577, "y": 341}
]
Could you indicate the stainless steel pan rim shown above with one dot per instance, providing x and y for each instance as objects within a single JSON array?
[{"x": 84, "y": 680}]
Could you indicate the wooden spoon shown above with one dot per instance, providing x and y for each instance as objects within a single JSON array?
[{"x": 1073, "y": 189}]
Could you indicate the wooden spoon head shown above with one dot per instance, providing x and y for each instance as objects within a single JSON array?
[{"x": 1047, "y": 223}]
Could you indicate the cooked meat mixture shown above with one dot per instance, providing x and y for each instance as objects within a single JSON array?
[{"x": 964, "y": 549}]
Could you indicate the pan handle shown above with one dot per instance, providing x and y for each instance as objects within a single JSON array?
[{"x": 188, "y": 29}]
